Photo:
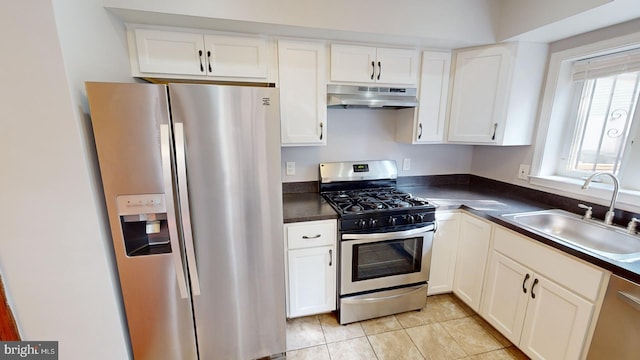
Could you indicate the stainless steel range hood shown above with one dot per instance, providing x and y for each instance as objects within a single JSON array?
[{"x": 353, "y": 96}]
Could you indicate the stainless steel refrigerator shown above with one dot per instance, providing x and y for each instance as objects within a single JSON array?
[{"x": 191, "y": 178}]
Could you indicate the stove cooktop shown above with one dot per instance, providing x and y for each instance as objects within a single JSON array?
[
  {"x": 379, "y": 208},
  {"x": 372, "y": 200}
]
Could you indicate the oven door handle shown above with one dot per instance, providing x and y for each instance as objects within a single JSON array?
[{"x": 389, "y": 235}]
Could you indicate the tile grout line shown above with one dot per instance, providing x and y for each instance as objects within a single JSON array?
[{"x": 413, "y": 342}]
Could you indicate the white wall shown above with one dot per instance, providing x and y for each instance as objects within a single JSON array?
[
  {"x": 462, "y": 22},
  {"x": 363, "y": 134},
  {"x": 549, "y": 20},
  {"x": 521, "y": 16},
  {"x": 54, "y": 253}
]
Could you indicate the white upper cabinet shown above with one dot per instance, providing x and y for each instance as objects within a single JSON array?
[
  {"x": 365, "y": 64},
  {"x": 178, "y": 54},
  {"x": 495, "y": 93},
  {"x": 427, "y": 125},
  {"x": 170, "y": 52},
  {"x": 302, "y": 71},
  {"x": 236, "y": 56}
]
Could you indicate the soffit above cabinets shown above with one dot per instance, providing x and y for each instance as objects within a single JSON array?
[{"x": 426, "y": 23}]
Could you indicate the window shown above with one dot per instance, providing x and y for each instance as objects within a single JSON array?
[
  {"x": 605, "y": 96},
  {"x": 590, "y": 120}
]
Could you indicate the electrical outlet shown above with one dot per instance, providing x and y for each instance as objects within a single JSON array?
[
  {"x": 291, "y": 168},
  {"x": 523, "y": 172},
  {"x": 406, "y": 164}
]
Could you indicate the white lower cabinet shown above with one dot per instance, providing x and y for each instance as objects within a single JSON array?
[
  {"x": 471, "y": 259},
  {"x": 443, "y": 253},
  {"x": 538, "y": 298},
  {"x": 311, "y": 267}
]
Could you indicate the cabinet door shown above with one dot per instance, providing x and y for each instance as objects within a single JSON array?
[
  {"x": 471, "y": 260},
  {"x": 556, "y": 322},
  {"x": 434, "y": 89},
  {"x": 312, "y": 280},
  {"x": 236, "y": 56},
  {"x": 353, "y": 63},
  {"x": 167, "y": 52},
  {"x": 478, "y": 101},
  {"x": 505, "y": 295},
  {"x": 443, "y": 253},
  {"x": 397, "y": 66},
  {"x": 303, "y": 92}
]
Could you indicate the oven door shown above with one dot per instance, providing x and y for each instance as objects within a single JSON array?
[{"x": 377, "y": 261}]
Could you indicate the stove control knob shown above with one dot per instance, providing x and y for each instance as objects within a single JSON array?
[
  {"x": 373, "y": 222},
  {"x": 411, "y": 219},
  {"x": 361, "y": 223},
  {"x": 392, "y": 221},
  {"x": 419, "y": 218}
]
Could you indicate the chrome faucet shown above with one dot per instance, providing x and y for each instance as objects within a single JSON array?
[{"x": 608, "y": 216}]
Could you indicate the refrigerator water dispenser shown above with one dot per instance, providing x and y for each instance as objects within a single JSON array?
[{"x": 143, "y": 219}]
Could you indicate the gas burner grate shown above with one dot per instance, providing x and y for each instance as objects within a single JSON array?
[{"x": 371, "y": 200}]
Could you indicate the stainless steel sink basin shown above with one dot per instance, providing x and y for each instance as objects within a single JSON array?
[{"x": 606, "y": 241}]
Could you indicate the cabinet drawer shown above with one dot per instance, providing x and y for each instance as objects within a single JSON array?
[
  {"x": 310, "y": 234},
  {"x": 565, "y": 270}
]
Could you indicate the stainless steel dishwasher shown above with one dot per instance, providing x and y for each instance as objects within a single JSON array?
[{"x": 617, "y": 333}]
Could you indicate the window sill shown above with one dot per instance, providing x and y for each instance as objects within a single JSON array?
[{"x": 599, "y": 193}]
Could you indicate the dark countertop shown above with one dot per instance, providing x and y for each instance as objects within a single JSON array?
[
  {"x": 484, "y": 201},
  {"x": 306, "y": 207},
  {"x": 491, "y": 204}
]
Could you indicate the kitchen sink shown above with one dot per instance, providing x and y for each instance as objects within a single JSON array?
[{"x": 605, "y": 240}]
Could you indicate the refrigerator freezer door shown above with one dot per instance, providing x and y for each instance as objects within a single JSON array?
[
  {"x": 232, "y": 149},
  {"x": 126, "y": 122}
]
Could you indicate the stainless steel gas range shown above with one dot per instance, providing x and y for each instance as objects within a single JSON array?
[{"x": 385, "y": 239}]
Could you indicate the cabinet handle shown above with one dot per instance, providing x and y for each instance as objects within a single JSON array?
[
  {"x": 311, "y": 237},
  {"x": 420, "y": 133},
  {"x": 200, "y": 56},
  {"x": 209, "y": 60},
  {"x": 330, "y": 257},
  {"x": 379, "y": 70},
  {"x": 495, "y": 127},
  {"x": 524, "y": 282},
  {"x": 535, "y": 282},
  {"x": 321, "y": 130},
  {"x": 373, "y": 69}
]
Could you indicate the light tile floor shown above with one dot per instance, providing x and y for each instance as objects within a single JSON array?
[{"x": 445, "y": 329}]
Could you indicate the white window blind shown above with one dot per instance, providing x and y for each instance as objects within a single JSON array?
[{"x": 608, "y": 65}]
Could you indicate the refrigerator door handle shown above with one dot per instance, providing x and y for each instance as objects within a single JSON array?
[
  {"x": 183, "y": 193},
  {"x": 171, "y": 210}
]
